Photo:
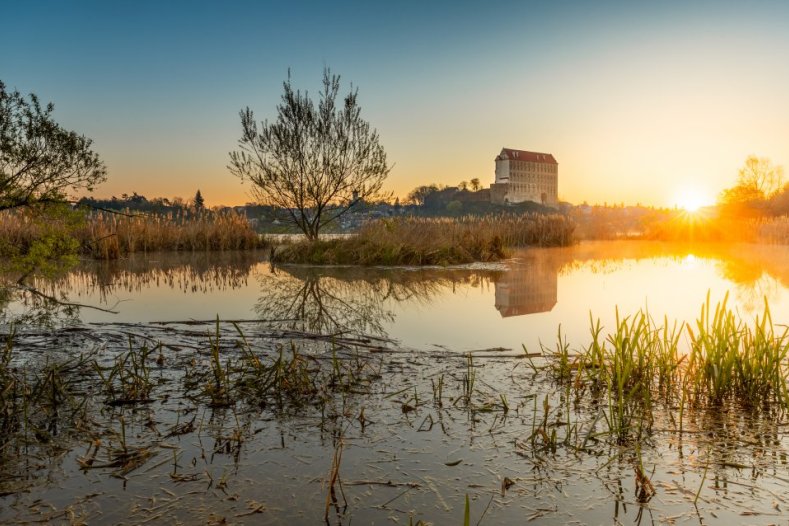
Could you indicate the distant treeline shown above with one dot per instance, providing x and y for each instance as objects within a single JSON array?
[
  {"x": 747, "y": 211},
  {"x": 140, "y": 203},
  {"x": 180, "y": 208},
  {"x": 712, "y": 224},
  {"x": 432, "y": 201}
]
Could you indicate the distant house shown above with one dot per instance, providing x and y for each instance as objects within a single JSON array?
[{"x": 525, "y": 176}]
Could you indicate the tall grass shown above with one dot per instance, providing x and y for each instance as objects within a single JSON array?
[
  {"x": 730, "y": 359},
  {"x": 725, "y": 361},
  {"x": 108, "y": 236},
  {"x": 773, "y": 230},
  {"x": 435, "y": 241}
]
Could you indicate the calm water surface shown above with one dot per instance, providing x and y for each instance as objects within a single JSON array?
[{"x": 519, "y": 302}]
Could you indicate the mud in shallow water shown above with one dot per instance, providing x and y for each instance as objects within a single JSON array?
[{"x": 417, "y": 433}]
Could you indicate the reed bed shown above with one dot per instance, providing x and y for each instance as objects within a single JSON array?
[
  {"x": 434, "y": 241},
  {"x": 774, "y": 230},
  {"x": 105, "y": 235},
  {"x": 721, "y": 362},
  {"x": 109, "y": 235}
]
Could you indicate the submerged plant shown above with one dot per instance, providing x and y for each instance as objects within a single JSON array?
[
  {"x": 219, "y": 386},
  {"x": 128, "y": 380}
]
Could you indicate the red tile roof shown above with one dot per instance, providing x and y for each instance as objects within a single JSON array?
[{"x": 521, "y": 155}]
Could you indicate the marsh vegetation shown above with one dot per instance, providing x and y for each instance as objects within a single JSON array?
[
  {"x": 111, "y": 235},
  {"x": 434, "y": 241},
  {"x": 323, "y": 393}
]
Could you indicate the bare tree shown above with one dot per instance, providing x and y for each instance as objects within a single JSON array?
[
  {"x": 759, "y": 173},
  {"x": 475, "y": 184},
  {"x": 758, "y": 179},
  {"x": 316, "y": 162},
  {"x": 40, "y": 161},
  {"x": 758, "y": 182}
]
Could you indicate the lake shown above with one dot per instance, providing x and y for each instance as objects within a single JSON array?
[
  {"x": 419, "y": 426},
  {"x": 518, "y": 302}
]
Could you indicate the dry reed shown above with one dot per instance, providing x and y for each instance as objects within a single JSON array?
[
  {"x": 435, "y": 241},
  {"x": 774, "y": 230},
  {"x": 108, "y": 236}
]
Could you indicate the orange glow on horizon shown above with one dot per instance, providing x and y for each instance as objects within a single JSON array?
[{"x": 691, "y": 199}]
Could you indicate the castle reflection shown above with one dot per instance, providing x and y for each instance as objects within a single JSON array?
[{"x": 529, "y": 287}]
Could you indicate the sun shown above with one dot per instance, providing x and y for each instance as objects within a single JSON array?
[{"x": 691, "y": 200}]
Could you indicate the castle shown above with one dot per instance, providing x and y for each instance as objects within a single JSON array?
[{"x": 525, "y": 176}]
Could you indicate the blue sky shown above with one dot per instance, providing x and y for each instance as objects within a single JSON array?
[{"x": 639, "y": 102}]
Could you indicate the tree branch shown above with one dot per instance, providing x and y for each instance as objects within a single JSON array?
[{"x": 27, "y": 288}]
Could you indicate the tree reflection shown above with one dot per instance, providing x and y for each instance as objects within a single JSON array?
[
  {"x": 24, "y": 308},
  {"x": 21, "y": 306},
  {"x": 357, "y": 300},
  {"x": 752, "y": 282},
  {"x": 754, "y": 271}
]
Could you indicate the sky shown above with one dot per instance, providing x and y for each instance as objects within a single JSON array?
[{"x": 640, "y": 102}]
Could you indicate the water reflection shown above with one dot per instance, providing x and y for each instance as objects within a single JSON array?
[
  {"x": 201, "y": 272},
  {"x": 740, "y": 454},
  {"x": 21, "y": 308},
  {"x": 755, "y": 278},
  {"x": 106, "y": 285},
  {"x": 339, "y": 299},
  {"x": 530, "y": 286},
  {"x": 483, "y": 305},
  {"x": 752, "y": 272}
]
